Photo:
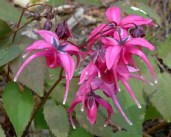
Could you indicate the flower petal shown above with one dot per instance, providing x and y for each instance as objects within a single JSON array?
[
  {"x": 48, "y": 36},
  {"x": 114, "y": 14},
  {"x": 107, "y": 106},
  {"x": 112, "y": 55},
  {"x": 130, "y": 20},
  {"x": 73, "y": 104},
  {"x": 38, "y": 45},
  {"x": 108, "y": 41},
  {"x": 129, "y": 90},
  {"x": 145, "y": 59},
  {"x": 140, "y": 42},
  {"x": 68, "y": 64},
  {"x": 91, "y": 109},
  {"x": 32, "y": 57}
]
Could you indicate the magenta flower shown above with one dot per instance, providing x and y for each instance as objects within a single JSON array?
[
  {"x": 91, "y": 102},
  {"x": 113, "y": 14},
  {"x": 56, "y": 54}
]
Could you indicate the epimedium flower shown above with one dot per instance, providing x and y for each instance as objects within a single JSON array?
[
  {"x": 90, "y": 101},
  {"x": 113, "y": 14},
  {"x": 56, "y": 54}
]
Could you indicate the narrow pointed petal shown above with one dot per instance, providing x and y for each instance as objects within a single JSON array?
[
  {"x": 48, "y": 36},
  {"x": 66, "y": 91},
  {"x": 112, "y": 55},
  {"x": 34, "y": 56},
  {"x": 68, "y": 64},
  {"x": 140, "y": 42},
  {"x": 145, "y": 59},
  {"x": 130, "y": 20},
  {"x": 38, "y": 45},
  {"x": 140, "y": 78},
  {"x": 120, "y": 109},
  {"x": 114, "y": 14},
  {"x": 129, "y": 90},
  {"x": 107, "y": 106},
  {"x": 73, "y": 105}
]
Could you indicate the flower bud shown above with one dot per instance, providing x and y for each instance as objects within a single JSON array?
[
  {"x": 47, "y": 25},
  {"x": 49, "y": 15},
  {"x": 137, "y": 31},
  {"x": 63, "y": 31}
]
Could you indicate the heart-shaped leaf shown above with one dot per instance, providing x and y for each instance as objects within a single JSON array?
[
  {"x": 7, "y": 55},
  {"x": 19, "y": 106},
  {"x": 56, "y": 118}
]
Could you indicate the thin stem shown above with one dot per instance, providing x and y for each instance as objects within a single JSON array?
[
  {"x": 43, "y": 101},
  {"x": 100, "y": 32},
  {"x": 18, "y": 25}
]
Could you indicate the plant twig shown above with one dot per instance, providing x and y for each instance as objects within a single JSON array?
[{"x": 43, "y": 101}]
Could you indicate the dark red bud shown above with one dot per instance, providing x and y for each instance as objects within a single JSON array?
[
  {"x": 63, "y": 31},
  {"x": 137, "y": 31},
  {"x": 49, "y": 15},
  {"x": 47, "y": 25}
]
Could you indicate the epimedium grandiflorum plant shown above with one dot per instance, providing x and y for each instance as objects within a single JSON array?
[{"x": 111, "y": 48}]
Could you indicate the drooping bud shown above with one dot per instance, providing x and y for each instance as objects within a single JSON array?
[
  {"x": 137, "y": 31},
  {"x": 47, "y": 25},
  {"x": 49, "y": 15},
  {"x": 63, "y": 31}
]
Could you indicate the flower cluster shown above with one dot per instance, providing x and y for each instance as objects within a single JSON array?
[
  {"x": 118, "y": 41},
  {"x": 111, "y": 48}
]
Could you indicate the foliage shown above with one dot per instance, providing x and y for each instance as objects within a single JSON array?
[{"x": 39, "y": 91}]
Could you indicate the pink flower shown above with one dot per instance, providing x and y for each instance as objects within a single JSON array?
[
  {"x": 56, "y": 54},
  {"x": 113, "y": 14},
  {"x": 91, "y": 102}
]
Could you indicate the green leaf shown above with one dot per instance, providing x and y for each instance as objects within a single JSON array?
[
  {"x": 164, "y": 51},
  {"x": 160, "y": 94},
  {"x": 8, "y": 12},
  {"x": 125, "y": 134},
  {"x": 151, "y": 113},
  {"x": 56, "y": 118},
  {"x": 39, "y": 120},
  {"x": 98, "y": 128},
  {"x": 4, "y": 29},
  {"x": 19, "y": 106},
  {"x": 8, "y": 54},
  {"x": 2, "y": 132},
  {"x": 135, "y": 114},
  {"x": 34, "y": 74},
  {"x": 80, "y": 131},
  {"x": 90, "y": 2},
  {"x": 56, "y": 2},
  {"x": 150, "y": 11},
  {"x": 139, "y": 9}
]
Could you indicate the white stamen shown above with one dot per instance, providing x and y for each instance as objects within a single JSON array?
[
  {"x": 74, "y": 127},
  {"x": 82, "y": 108},
  {"x": 155, "y": 81},
  {"x": 15, "y": 79},
  {"x": 64, "y": 102}
]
